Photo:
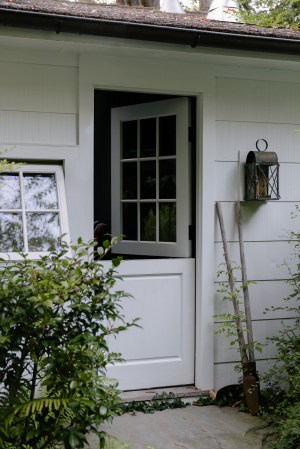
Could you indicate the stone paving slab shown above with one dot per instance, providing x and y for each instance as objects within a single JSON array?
[{"x": 208, "y": 427}]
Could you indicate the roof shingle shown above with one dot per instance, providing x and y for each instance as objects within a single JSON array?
[{"x": 136, "y": 15}]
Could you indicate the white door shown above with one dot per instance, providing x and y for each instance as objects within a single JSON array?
[{"x": 151, "y": 208}]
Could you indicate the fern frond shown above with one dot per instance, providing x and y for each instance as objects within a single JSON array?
[{"x": 37, "y": 406}]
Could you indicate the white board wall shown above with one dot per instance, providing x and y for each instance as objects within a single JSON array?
[
  {"x": 46, "y": 112},
  {"x": 39, "y": 118},
  {"x": 248, "y": 110},
  {"x": 38, "y": 104}
]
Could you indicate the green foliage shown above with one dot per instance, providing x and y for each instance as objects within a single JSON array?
[
  {"x": 283, "y": 379},
  {"x": 6, "y": 166},
  {"x": 191, "y": 6},
  {"x": 55, "y": 316},
  {"x": 229, "y": 324},
  {"x": 160, "y": 402},
  {"x": 113, "y": 443},
  {"x": 271, "y": 13}
]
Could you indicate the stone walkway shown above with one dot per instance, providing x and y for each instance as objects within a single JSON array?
[{"x": 206, "y": 427}]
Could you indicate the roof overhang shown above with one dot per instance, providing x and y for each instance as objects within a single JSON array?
[{"x": 61, "y": 23}]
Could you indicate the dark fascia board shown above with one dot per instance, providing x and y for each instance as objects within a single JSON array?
[{"x": 145, "y": 32}]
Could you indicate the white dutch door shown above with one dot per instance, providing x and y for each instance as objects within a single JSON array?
[{"x": 151, "y": 208}]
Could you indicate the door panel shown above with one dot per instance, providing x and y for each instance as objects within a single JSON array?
[
  {"x": 151, "y": 199},
  {"x": 151, "y": 178},
  {"x": 161, "y": 352}
]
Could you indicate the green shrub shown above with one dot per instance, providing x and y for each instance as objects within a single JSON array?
[
  {"x": 283, "y": 379},
  {"x": 55, "y": 316}
]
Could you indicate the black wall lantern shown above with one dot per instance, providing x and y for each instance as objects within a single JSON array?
[{"x": 262, "y": 174}]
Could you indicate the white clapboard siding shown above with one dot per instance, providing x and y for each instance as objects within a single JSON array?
[
  {"x": 262, "y": 330},
  {"x": 234, "y": 137},
  {"x": 38, "y": 104},
  {"x": 244, "y": 115},
  {"x": 230, "y": 185},
  {"x": 39, "y": 88},
  {"x": 263, "y": 295},
  {"x": 264, "y": 260},
  {"x": 37, "y": 128},
  {"x": 225, "y": 373},
  {"x": 258, "y": 101},
  {"x": 262, "y": 221},
  {"x": 46, "y": 53}
]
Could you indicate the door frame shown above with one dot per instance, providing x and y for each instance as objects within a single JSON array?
[{"x": 204, "y": 207}]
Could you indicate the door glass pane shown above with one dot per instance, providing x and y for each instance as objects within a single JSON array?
[
  {"x": 129, "y": 139},
  {"x": 130, "y": 221},
  {"x": 148, "y": 179},
  {"x": 167, "y": 179},
  {"x": 167, "y": 135},
  {"x": 40, "y": 191},
  {"x": 129, "y": 180},
  {"x": 167, "y": 222},
  {"x": 10, "y": 197},
  {"x": 43, "y": 230},
  {"x": 148, "y": 137},
  {"x": 148, "y": 222},
  {"x": 11, "y": 232}
]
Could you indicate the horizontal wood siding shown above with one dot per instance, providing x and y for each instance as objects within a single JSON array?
[
  {"x": 230, "y": 175},
  {"x": 248, "y": 110},
  {"x": 38, "y": 104},
  {"x": 258, "y": 101},
  {"x": 263, "y": 294},
  {"x": 234, "y": 136}
]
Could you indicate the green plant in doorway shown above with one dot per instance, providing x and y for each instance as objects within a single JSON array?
[{"x": 56, "y": 314}]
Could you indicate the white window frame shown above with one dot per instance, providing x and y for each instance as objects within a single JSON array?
[
  {"x": 57, "y": 170},
  {"x": 182, "y": 246}
]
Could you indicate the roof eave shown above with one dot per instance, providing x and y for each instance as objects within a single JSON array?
[{"x": 147, "y": 32}]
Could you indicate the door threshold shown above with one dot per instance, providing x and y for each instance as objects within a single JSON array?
[{"x": 187, "y": 392}]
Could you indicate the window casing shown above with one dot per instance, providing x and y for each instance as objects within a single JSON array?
[{"x": 33, "y": 212}]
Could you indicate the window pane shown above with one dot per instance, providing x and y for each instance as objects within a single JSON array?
[
  {"x": 129, "y": 176},
  {"x": 43, "y": 230},
  {"x": 148, "y": 222},
  {"x": 40, "y": 191},
  {"x": 167, "y": 179},
  {"x": 167, "y": 135},
  {"x": 129, "y": 139},
  {"x": 148, "y": 180},
  {"x": 148, "y": 137},
  {"x": 167, "y": 222},
  {"x": 10, "y": 197},
  {"x": 11, "y": 233},
  {"x": 130, "y": 221}
]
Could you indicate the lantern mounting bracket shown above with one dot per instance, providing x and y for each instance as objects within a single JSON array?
[{"x": 265, "y": 142}]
